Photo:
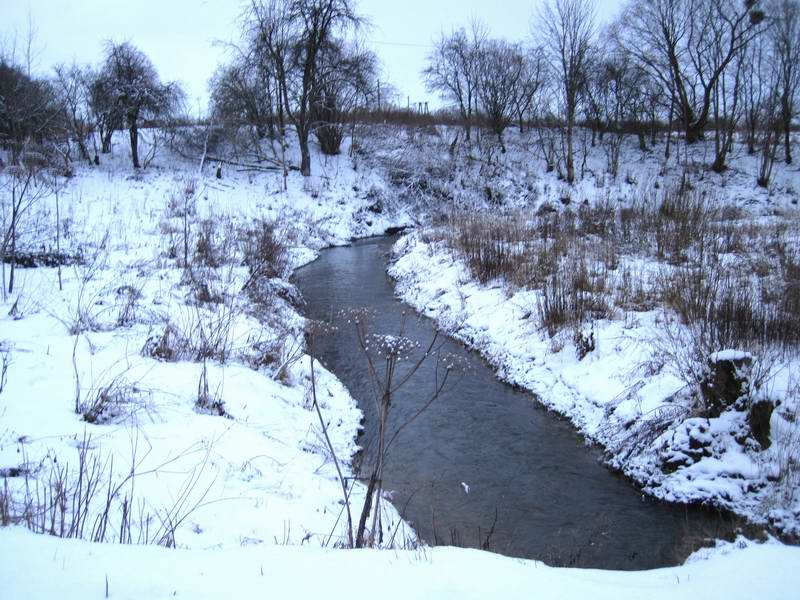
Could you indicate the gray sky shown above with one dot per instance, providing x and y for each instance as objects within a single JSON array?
[{"x": 179, "y": 35}]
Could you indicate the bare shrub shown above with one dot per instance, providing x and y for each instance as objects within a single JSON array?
[
  {"x": 208, "y": 402},
  {"x": 572, "y": 296},
  {"x": 679, "y": 223},
  {"x": 204, "y": 333},
  {"x": 87, "y": 500},
  {"x": 724, "y": 311},
  {"x": 109, "y": 401},
  {"x": 206, "y": 251},
  {"x": 554, "y": 305},
  {"x": 493, "y": 248},
  {"x": 127, "y": 304},
  {"x": 265, "y": 256},
  {"x": 5, "y": 363}
]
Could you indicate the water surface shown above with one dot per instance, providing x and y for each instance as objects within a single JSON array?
[{"x": 529, "y": 473}]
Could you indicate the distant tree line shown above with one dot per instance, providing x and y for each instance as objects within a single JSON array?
[
  {"x": 694, "y": 67},
  {"x": 74, "y": 113}
]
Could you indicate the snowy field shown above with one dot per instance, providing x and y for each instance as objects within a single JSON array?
[
  {"x": 173, "y": 382},
  {"x": 181, "y": 391}
]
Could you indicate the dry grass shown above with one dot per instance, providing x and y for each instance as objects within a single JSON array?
[{"x": 735, "y": 281}]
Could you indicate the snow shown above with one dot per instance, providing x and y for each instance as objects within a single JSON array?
[
  {"x": 256, "y": 489},
  {"x": 44, "y": 567},
  {"x": 261, "y": 474},
  {"x": 729, "y": 355}
]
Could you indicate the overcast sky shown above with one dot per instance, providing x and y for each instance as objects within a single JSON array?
[{"x": 180, "y": 36}]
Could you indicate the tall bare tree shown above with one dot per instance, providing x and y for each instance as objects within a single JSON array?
[
  {"x": 688, "y": 45},
  {"x": 293, "y": 35},
  {"x": 29, "y": 112},
  {"x": 243, "y": 95},
  {"x": 755, "y": 91},
  {"x": 532, "y": 82},
  {"x": 71, "y": 83},
  {"x": 454, "y": 70},
  {"x": 131, "y": 88},
  {"x": 502, "y": 67},
  {"x": 785, "y": 36},
  {"x": 567, "y": 28},
  {"x": 345, "y": 81}
]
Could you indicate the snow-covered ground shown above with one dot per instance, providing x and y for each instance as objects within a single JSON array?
[
  {"x": 261, "y": 473},
  {"x": 613, "y": 390},
  {"x": 251, "y": 495},
  {"x": 43, "y": 567}
]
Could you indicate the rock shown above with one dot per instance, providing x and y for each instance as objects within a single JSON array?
[
  {"x": 759, "y": 421},
  {"x": 727, "y": 381},
  {"x": 396, "y": 230}
]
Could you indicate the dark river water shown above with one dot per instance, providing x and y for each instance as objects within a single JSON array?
[{"x": 529, "y": 473}]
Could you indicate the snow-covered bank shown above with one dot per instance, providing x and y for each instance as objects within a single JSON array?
[
  {"x": 259, "y": 475},
  {"x": 616, "y": 386},
  {"x": 606, "y": 392},
  {"x": 43, "y": 567},
  {"x": 180, "y": 374}
]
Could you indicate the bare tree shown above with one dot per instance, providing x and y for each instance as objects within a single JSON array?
[
  {"x": 345, "y": 81},
  {"x": 727, "y": 108},
  {"x": 132, "y": 89},
  {"x": 615, "y": 94},
  {"x": 502, "y": 66},
  {"x": 106, "y": 112},
  {"x": 771, "y": 127},
  {"x": 292, "y": 35},
  {"x": 24, "y": 182},
  {"x": 72, "y": 88},
  {"x": 755, "y": 92},
  {"x": 29, "y": 112},
  {"x": 454, "y": 70},
  {"x": 243, "y": 95},
  {"x": 532, "y": 82},
  {"x": 566, "y": 28},
  {"x": 688, "y": 45},
  {"x": 785, "y": 37}
]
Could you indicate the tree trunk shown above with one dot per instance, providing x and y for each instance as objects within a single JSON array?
[
  {"x": 105, "y": 139},
  {"x": 305, "y": 153},
  {"x": 13, "y": 244},
  {"x": 694, "y": 133},
  {"x": 502, "y": 143},
  {"x": 719, "y": 166},
  {"x": 787, "y": 141},
  {"x": 84, "y": 151},
  {"x": 569, "y": 158},
  {"x": 751, "y": 136},
  {"x": 134, "y": 134}
]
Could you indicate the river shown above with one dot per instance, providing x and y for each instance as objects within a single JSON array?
[{"x": 485, "y": 453}]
